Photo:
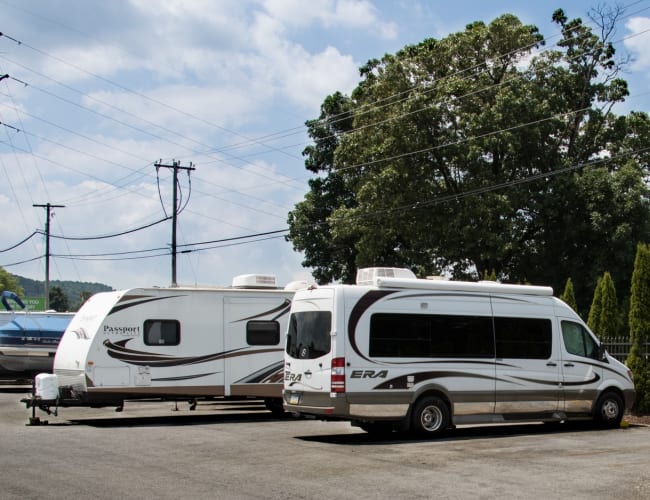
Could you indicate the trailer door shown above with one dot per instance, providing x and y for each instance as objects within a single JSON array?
[{"x": 253, "y": 331}]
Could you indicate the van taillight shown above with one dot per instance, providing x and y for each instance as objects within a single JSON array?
[{"x": 338, "y": 375}]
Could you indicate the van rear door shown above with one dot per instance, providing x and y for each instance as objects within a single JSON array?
[{"x": 308, "y": 353}]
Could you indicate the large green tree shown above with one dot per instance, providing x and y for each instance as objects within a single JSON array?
[
  {"x": 309, "y": 226},
  {"x": 474, "y": 153}
]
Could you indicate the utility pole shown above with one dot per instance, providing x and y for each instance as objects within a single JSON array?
[
  {"x": 48, "y": 207},
  {"x": 175, "y": 166}
]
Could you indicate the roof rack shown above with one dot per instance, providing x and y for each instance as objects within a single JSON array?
[{"x": 462, "y": 286}]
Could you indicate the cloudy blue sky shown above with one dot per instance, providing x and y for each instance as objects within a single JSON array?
[{"x": 98, "y": 92}]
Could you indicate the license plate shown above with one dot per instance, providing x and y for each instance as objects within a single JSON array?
[{"x": 294, "y": 398}]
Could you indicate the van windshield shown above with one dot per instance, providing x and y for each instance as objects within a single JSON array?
[{"x": 309, "y": 334}]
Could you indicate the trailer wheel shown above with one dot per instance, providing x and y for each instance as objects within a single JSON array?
[
  {"x": 608, "y": 411},
  {"x": 430, "y": 416}
]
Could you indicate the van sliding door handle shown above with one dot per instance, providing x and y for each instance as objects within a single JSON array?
[
  {"x": 551, "y": 363},
  {"x": 569, "y": 364}
]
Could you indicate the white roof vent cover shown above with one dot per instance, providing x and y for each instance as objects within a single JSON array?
[
  {"x": 369, "y": 275},
  {"x": 254, "y": 281}
]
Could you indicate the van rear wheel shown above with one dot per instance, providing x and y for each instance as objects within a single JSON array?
[
  {"x": 430, "y": 416},
  {"x": 608, "y": 412}
]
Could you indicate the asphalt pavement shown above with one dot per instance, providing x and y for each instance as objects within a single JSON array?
[{"x": 236, "y": 450}]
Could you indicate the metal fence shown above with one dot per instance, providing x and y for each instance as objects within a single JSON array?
[{"x": 619, "y": 347}]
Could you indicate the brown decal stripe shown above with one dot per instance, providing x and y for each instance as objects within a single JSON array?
[
  {"x": 282, "y": 309},
  {"x": 118, "y": 308},
  {"x": 271, "y": 374},
  {"x": 187, "y": 377},
  {"x": 592, "y": 380},
  {"x": 357, "y": 311},
  {"x": 119, "y": 351},
  {"x": 401, "y": 382}
]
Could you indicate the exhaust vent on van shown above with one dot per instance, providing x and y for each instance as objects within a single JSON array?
[
  {"x": 254, "y": 281},
  {"x": 369, "y": 275}
]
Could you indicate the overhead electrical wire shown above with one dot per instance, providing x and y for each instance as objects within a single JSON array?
[
  {"x": 140, "y": 130},
  {"x": 16, "y": 245},
  {"x": 105, "y": 236}
]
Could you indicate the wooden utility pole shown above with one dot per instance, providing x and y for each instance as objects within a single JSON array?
[
  {"x": 175, "y": 166},
  {"x": 48, "y": 207}
]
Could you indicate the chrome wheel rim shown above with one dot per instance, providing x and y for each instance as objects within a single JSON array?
[{"x": 431, "y": 418}]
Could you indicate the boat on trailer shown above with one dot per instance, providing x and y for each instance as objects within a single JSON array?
[{"x": 28, "y": 339}]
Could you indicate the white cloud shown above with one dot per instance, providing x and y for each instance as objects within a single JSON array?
[
  {"x": 354, "y": 14},
  {"x": 71, "y": 64},
  {"x": 638, "y": 42}
]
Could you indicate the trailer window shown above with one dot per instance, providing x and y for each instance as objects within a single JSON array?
[
  {"x": 162, "y": 332},
  {"x": 308, "y": 336},
  {"x": 262, "y": 333},
  {"x": 430, "y": 336},
  {"x": 523, "y": 338},
  {"x": 578, "y": 341}
]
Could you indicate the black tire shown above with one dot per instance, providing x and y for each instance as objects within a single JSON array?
[
  {"x": 608, "y": 411},
  {"x": 430, "y": 416}
]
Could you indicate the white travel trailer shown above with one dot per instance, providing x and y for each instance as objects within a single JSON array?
[
  {"x": 176, "y": 343},
  {"x": 399, "y": 353}
]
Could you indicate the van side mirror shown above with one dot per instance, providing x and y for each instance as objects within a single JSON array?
[{"x": 602, "y": 352}]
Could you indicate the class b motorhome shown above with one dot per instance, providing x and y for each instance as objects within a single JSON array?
[
  {"x": 399, "y": 353},
  {"x": 176, "y": 343}
]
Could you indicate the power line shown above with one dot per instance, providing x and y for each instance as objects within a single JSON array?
[
  {"x": 21, "y": 242},
  {"x": 105, "y": 236}
]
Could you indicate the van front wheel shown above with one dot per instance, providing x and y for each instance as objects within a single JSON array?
[
  {"x": 430, "y": 416},
  {"x": 609, "y": 410}
]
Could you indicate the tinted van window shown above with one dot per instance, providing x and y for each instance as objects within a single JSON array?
[
  {"x": 431, "y": 336},
  {"x": 308, "y": 336},
  {"x": 523, "y": 338}
]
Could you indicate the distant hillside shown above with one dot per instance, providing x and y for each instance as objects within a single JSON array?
[{"x": 73, "y": 290}]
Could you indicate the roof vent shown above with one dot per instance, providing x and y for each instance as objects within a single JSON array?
[
  {"x": 254, "y": 281},
  {"x": 368, "y": 275}
]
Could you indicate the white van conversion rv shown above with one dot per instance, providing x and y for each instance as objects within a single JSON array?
[
  {"x": 407, "y": 353},
  {"x": 176, "y": 343}
]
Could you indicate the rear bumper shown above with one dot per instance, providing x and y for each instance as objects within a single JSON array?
[{"x": 317, "y": 404}]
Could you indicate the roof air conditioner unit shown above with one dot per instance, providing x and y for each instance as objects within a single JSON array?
[
  {"x": 254, "y": 281},
  {"x": 368, "y": 275}
]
